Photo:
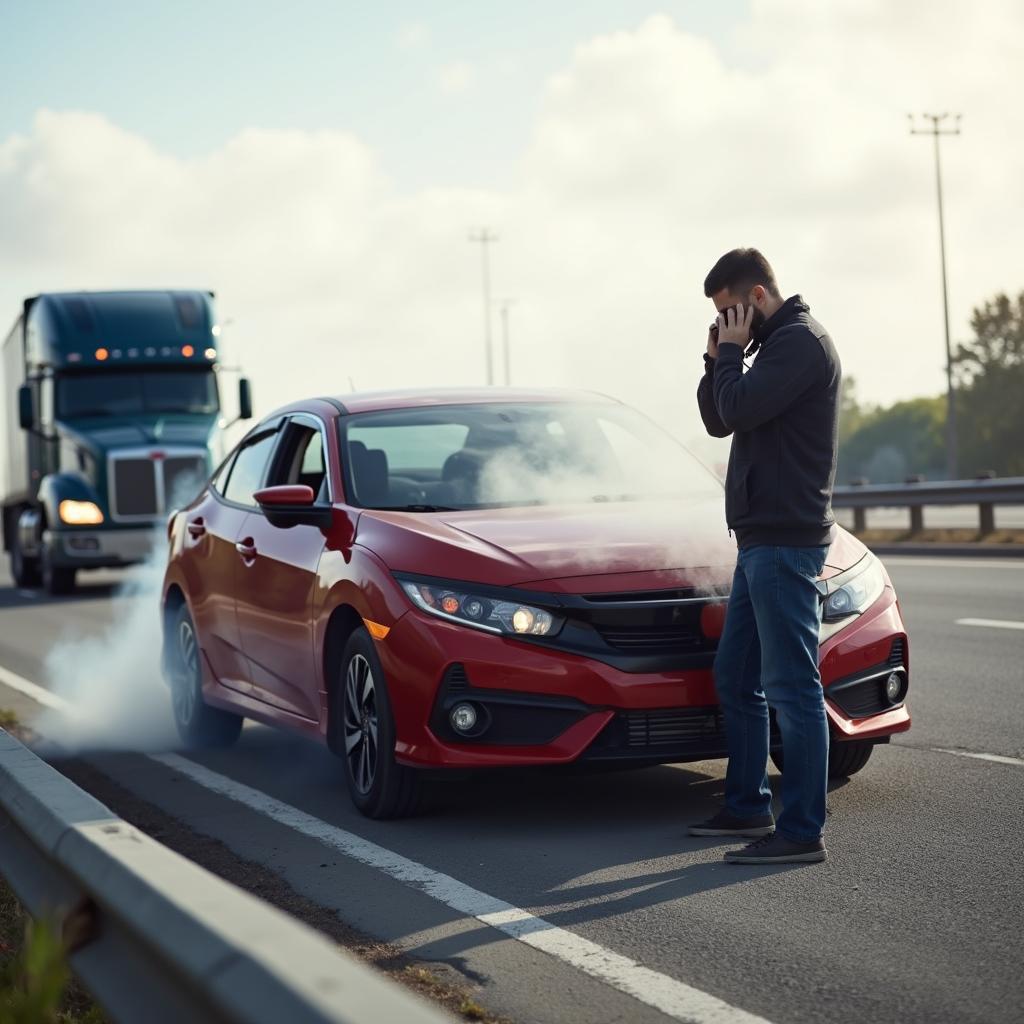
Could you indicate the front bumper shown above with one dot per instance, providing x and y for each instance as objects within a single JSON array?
[
  {"x": 546, "y": 706},
  {"x": 101, "y": 548}
]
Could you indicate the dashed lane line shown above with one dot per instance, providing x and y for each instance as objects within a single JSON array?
[
  {"x": 674, "y": 998},
  {"x": 991, "y": 623},
  {"x": 997, "y": 758}
]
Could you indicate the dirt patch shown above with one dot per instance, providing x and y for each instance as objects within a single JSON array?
[{"x": 438, "y": 983}]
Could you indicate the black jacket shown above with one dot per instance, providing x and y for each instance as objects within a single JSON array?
[{"x": 783, "y": 414}]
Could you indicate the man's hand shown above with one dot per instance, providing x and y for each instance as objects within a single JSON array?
[
  {"x": 734, "y": 326},
  {"x": 713, "y": 340}
]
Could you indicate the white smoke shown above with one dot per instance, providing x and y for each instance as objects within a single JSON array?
[{"x": 111, "y": 681}]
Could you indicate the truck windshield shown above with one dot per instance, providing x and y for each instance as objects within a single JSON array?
[{"x": 127, "y": 394}]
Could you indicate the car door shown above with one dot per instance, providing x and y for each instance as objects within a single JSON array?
[
  {"x": 277, "y": 579},
  {"x": 213, "y": 528}
]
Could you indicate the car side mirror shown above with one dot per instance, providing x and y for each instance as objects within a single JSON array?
[
  {"x": 288, "y": 505},
  {"x": 26, "y": 409},
  {"x": 244, "y": 399}
]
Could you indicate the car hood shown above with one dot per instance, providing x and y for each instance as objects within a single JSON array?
[
  {"x": 608, "y": 546},
  {"x": 549, "y": 543}
]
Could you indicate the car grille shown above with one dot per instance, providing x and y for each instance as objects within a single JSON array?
[
  {"x": 652, "y": 639},
  {"x": 134, "y": 488},
  {"x": 145, "y": 485},
  {"x": 672, "y": 726}
]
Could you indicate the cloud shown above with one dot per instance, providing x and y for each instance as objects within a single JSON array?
[
  {"x": 456, "y": 78},
  {"x": 651, "y": 155}
]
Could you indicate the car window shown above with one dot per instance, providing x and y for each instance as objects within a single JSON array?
[
  {"x": 417, "y": 448},
  {"x": 301, "y": 459},
  {"x": 219, "y": 478},
  {"x": 248, "y": 469}
]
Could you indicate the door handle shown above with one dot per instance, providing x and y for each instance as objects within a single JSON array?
[
  {"x": 196, "y": 528},
  {"x": 246, "y": 548}
]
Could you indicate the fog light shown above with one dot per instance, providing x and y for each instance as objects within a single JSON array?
[
  {"x": 894, "y": 687},
  {"x": 463, "y": 717}
]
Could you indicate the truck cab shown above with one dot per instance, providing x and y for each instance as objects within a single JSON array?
[{"x": 112, "y": 417}]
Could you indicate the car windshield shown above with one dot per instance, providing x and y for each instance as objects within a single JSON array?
[
  {"x": 132, "y": 393},
  {"x": 504, "y": 455}
]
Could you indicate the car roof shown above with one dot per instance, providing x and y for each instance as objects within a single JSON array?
[{"x": 415, "y": 398}]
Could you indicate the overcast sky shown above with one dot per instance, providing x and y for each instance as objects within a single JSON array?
[{"x": 320, "y": 164}]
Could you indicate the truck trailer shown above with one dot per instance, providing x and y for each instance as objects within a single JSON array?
[{"x": 111, "y": 416}]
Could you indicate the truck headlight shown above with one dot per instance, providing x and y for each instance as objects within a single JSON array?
[
  {"x": 855, "y": 590},
  {"x": 494, "y": 615},
  {"x": 79, "y": 513}
]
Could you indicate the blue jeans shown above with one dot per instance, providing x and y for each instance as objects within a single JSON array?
[{"x": 768, "y": 657}]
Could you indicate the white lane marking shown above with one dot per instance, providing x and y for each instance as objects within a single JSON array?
[
  {"x": 37, "y": 693},
  {"x": 671, "y": 997},
  {"x": 991, "y": 623},
  {"x": 953, "y": 563},
  {"x": 997, "y": 758}
]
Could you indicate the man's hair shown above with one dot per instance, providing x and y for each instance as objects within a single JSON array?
[{"x": 740, "y": 270}]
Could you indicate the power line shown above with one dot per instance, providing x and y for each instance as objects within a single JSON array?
[
  {"x": 935, "y": 131},
  {"x": 484, "y": 237}
]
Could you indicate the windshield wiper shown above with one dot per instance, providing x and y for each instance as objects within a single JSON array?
[{"x": 415, "y": 508}]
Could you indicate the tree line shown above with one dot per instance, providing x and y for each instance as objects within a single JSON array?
[{"x": 893, "y": 443}]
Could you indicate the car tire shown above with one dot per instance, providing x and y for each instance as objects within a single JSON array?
[
  {"x": 379, "y": 786},
  {"x": 57, "y": 579},
  {"x": 24, "y": 570},
  {"x": 198, "y": 724},
  {"x": 844, "y": 758}
]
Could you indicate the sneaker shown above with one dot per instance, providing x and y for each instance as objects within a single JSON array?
[
  {"x": 726, "y": 824},
  {"x": 776, "y": 849}
]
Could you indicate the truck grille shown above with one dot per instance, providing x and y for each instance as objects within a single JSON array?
[{"x": 147, "y": 484}]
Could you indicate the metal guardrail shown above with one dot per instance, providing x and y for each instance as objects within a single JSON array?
[
  {"x": 985, "y": 493},
  {"x": 155, "y": 937}
]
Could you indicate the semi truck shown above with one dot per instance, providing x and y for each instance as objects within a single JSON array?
[{"x": 111, "y": 416}]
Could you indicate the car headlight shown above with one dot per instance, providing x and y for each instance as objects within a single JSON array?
[
  {"x": 79, "y": 513},
  {"x": 855, "y": 590},
  {"x": 495, "y": 615}
]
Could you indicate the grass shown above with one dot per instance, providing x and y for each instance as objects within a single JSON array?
[{"x": 36, "y": 986}]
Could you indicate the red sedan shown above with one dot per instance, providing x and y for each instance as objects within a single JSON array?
[{"x": 484, "y": 578}]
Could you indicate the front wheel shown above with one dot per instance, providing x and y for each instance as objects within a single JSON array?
[
  {"x": 57, "y": 579},
  {"x": 24, "y": 570},
  {"x": 845, "y": 758},
  {"x": 379, "y": 786},
  {"x": 198, "y": 724}
]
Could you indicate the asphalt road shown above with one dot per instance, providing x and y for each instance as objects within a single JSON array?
[{"x": 915, "y": 917}]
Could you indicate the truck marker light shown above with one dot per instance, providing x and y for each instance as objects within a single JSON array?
[
  {"x": 150, "y": 351},
  {"x": 132, "y": 353},
  {"x": 187, "y": 351},
  {"x": 156, "y": 456},
  {"x": 115, "y": 353},
  {"x": 215, "y": 330},
  {"x": 101, "y": 354},
  {"x": 79, "y": 513},
  {"x": 210, "y": 353},
  {"x": 74, "y": 357},
  {"x": 376, "y": 629}
]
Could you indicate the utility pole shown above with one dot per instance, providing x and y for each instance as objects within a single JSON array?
[
  {"x": 504, "y": 305},
  {"x": 484, "y": 237},
  {"x": 935, "y": 131}
]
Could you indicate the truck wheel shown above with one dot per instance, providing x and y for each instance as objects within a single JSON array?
[
  {"x": 25, "y": 570},
  {"x": 198, "y": 724},
  {"x": 844, "y": 758},
  {"x": 379, "y": 786},
  {"x": 57, "y": 579}
]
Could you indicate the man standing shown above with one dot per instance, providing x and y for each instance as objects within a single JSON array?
[{"x": 783, "y": 416}]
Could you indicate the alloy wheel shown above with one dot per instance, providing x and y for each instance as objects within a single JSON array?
[
  {"x": 360, "y": 723},
  {"x": 184, "y": 692}
]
